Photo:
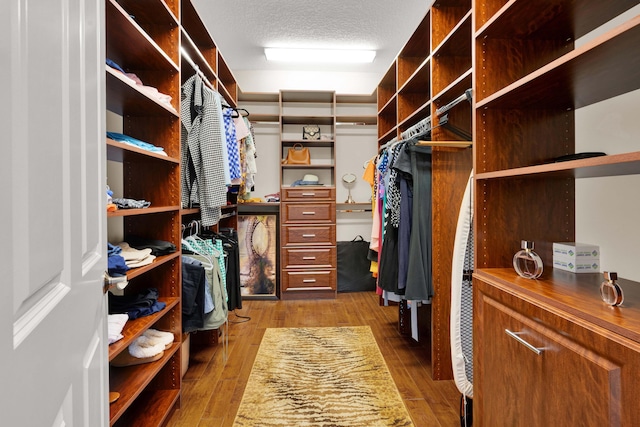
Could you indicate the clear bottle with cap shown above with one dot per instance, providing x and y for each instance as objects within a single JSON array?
[
  {"x": 526, "y": 262},
  {"x": 610, "y": 291}
]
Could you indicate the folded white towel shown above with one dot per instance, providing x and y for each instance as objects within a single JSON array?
[{"x": 115, "y": 324}]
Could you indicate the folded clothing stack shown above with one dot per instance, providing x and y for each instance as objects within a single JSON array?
[
  {"x": 135, "y": 257},
  {"x": 148, "y": 347},
  {"x": 139, "y": 305}
]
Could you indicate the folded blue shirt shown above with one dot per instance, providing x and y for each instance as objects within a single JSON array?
[{"x": 133, "y": 141}]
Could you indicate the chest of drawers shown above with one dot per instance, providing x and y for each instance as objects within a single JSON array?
[{"x": 308, "y": 242}]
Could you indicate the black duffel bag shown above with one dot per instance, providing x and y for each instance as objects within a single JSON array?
[{"x": 353, "y": 266}]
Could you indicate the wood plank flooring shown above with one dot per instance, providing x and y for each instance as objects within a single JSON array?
[{"x": 212, "y": 389}]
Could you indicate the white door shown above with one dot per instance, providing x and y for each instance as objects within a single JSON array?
[{"x": 53, "y": 355}]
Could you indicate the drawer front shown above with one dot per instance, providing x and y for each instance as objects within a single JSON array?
[
  {"x": 309, "y": 235},
  {"x": 301, "y": 194},
  {"x": 309, "y": 257},
  {"x": 537, "y": 355},
  {"x": 300, "y": 281},
  {"x": 308, "y": 212}
]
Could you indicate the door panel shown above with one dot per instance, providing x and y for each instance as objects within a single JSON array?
[{"x": 53, "y": 313}]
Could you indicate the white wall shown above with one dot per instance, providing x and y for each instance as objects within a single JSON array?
[
  {"x": 274, "y": 81},
  {"x": 355, "y": 144},
  {"x": 267, "y": 140},
  {"x": 607, "y": 208}
]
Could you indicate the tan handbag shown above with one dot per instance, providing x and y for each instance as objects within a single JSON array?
[{"x": 298, "y": 155}]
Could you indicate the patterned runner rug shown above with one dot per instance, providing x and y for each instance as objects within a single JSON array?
[{"x": 320, "y": 377}]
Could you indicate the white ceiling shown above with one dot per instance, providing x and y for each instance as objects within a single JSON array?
[{"x": 243, "y": 28}]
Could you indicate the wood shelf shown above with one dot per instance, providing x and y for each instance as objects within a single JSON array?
[
  {"x": 130, "y": 382},
  {"x": 414, "y": 54},
  {"x": 611, "y": 165},
  {"x": 204, "y": 58},
  {"x": 134, "y": 328},
  {"x": 556, "y": 18},
  {"x": 143, "y": 211},
  {"x": 577, "y": 294},
  {"x": 584, "y": 76},
  {"x": 305, "y": 120},
  {"x": 124, "y": 97},
  {"x": 309, "y": 142},
  {"x": 153, "y": 411},
  {"x": 311, "y": 166},
  {"x": 116, "y": 152}
]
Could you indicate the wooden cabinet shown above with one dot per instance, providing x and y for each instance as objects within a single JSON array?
[
  {"x": 308, "y": 212},
  {"x": 308, "y": 239},
  {"x": 432, "y": 71},
  {"x": 541, "y": 360},
  {"x": 529, "y": 81},
  {"x": 148, "y": 47}
]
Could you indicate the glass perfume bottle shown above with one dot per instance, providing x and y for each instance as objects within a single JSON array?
[
  {"x": 610, "y": 291},
  {"x": 526, "y": 262}
]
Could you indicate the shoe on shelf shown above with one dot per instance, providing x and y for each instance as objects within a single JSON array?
[{"x": 155, "y": 336}]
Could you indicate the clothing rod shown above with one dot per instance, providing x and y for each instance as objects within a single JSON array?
[
  {"x": 466, "y": 96},
  {"x": 423, "y": 126},
  {"x": 195, "y": 67},
  {"x": 455, "y": 144},
  {"x": 227, "y": 215}
]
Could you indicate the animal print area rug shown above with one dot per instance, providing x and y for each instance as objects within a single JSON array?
[{"x": 320, "y": 377}]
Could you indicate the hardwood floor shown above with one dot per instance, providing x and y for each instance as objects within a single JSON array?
[{"x": 212, "y": 389}]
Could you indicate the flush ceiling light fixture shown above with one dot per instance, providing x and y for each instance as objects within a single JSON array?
[{"x": 319, "y": 55}]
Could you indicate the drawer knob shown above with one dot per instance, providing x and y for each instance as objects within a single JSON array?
[
  {"x": 308, "y": 213},
  {"x": 308, "y": 280},
  {"x": 308, "y": 194},
  {"x": 309, "y": 258},
  {"x": 308, "y": 235},
  {"x": 516, "y": 336}
]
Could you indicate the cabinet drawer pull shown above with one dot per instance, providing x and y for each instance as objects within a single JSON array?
[
  {"x": 308, "y": 280},
  {"x": 309, "y": 258},
  {"x": 308, "y": 194},
  {"x": 515, "y": 336},
  {"x": 308, "y": 213},
  {"x": 308, "y": 235}
]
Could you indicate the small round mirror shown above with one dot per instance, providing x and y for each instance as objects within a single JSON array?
[{"x": 349, "y": 178}]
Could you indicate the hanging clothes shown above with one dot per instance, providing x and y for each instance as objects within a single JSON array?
[
  {"x": 233, "y": 149},
  {"x": 202, "y": 139},
  {"x": 193, "y": 294},
  {"x": 250, "y": 154},
  {"x": 218, "y": 316},
  {"x": 419, "y": 284},
  {"x": 229, "y": 238}
]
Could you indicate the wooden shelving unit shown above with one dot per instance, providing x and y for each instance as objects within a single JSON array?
[
  {"x": 152, "y": 39},
  {"x": 530, "y": 79},
  {"x": 147, "y": 47},
  {"x": 432, "y": 69},
  {"x": 308, "y": 213}
]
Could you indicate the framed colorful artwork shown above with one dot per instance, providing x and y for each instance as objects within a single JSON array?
[{"x": 258, "y": 246}]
